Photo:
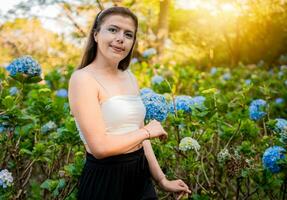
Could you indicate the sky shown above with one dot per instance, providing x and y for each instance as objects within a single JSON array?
[{"x": 47, "y": 14}]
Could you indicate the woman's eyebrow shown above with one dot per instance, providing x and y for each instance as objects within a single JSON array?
[{"x": 120, "y": 28}]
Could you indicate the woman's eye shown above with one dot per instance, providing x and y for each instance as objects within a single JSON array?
[
  {"x": 130, "y": 36},
  {"x": 113, "y": 30}
]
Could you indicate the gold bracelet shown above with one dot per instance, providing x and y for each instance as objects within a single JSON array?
[{"x": 147, "y": 132}]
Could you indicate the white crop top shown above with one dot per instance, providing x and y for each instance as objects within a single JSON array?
[{"x": 121, "y": 114}]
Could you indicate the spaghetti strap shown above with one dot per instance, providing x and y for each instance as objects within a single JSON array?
[
  {"x": 129, "y": 72},
  {"x": 101, "y": 85}
]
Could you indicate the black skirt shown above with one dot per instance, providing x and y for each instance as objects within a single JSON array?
[{"x": 120, "y": 177}]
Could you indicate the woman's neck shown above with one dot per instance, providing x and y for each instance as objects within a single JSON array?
[{"x": 105, "y": 66}]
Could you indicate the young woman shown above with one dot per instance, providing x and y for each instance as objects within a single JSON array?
[{"x": 109, "y": 113}]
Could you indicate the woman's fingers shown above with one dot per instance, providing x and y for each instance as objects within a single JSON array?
[{"x": 184, "y": 186}]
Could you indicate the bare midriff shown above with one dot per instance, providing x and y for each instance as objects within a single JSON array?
[{"x": 132, "y": 150}]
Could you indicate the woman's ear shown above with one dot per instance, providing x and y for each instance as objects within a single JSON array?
[{"x": 95, "y": 37}]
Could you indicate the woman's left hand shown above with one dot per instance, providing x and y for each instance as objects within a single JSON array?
[{"x": 174, "y": 186}]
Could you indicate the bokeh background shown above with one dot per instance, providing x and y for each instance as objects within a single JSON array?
[{"x": 214, "y": 72}]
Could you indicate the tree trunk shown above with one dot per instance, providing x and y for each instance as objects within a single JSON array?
[{"x": 162, "y": 30}]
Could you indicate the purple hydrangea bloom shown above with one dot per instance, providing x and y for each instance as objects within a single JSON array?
[
  {"x": 134, "y": 60},
  {"x": 257, "y": 109},
  {"x": 271, "y": 156},
  {"x": 24, "y": 65},
  {"x": 156, "y": 106}
]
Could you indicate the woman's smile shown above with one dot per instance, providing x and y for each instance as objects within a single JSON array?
[{"x": 117, "y": 49}]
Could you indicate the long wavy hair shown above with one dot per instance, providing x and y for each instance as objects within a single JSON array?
[{"x": 90, "y": 51}]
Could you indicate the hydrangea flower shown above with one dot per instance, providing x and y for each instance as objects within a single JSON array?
[
  {"x": 271, "y": 156},
  {"x": 13, "y": 91},
  {"x": 280, "y": 74},
  {"x": 134, "y": 60},
  {"x": 48, "y": 127},
  {"x": 6, "y": 178},
  {"x": 223, "y": 155},
  {"x": 279, "y": 100},
  {"x": 182, "y": 102},
  {"x": 189, "y": 143},
  {"x": 2, "y": 128},
  {"x": 198, "y": 102},
  {"x": 62, "y": 93},
  {"x": 281, "y": 125},
  {"x": 257, "y": 109},
  {"x": 157, "y": 79},
  {"x": 247, "y": 81},
  {"x": 156, "y": 106},
  {"x": 145, "y": 91},
  {"x": 226, "y": 76},
  {"x": 213, "y": 70},
  {"x": 149, "y": 52},
  {"x": 24, "y": 65}
]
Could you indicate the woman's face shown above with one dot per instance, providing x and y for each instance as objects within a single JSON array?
[{"x": 116, "y": 37}]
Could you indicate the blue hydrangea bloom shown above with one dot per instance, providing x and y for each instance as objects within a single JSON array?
[
  {"x": 62, "y": 93},
  {"x": 280, "y": 125},
  {"x": 280, "y": 74},
  {"x": 247, "y": 81},
  {"x": 213, "y": 70},
  {"x": 156, "y": 106},
  {"x": 279, "y": 100},
  {"x": 49, "y": 126},
  {"x": 271, "y": 156},
  {"x": 182, "y": 102},
  {"x": 6, "y": 178},
  {"x": 226, "y": 76},
  {"x": 149, "y": 52},
  {"x": 257, "y": 109},
  {"x": 2, "y": 128},
  {"x": 157, "y": 79},
  {"x": 198, "y": 102},
  {"x": 145, "y": 91},
  {"x": 24, "y": 65},
  {"x": 13, "y": 91}
]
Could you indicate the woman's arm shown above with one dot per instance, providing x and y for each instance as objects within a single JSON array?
[
  {"x": 83, "y": 99},
  {"x": 158, "y": 175}
]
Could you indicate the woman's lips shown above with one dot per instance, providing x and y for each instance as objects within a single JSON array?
[{"x": 117, "y": 49}]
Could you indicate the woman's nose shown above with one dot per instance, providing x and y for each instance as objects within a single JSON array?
[{"x": 120, "y": 37}]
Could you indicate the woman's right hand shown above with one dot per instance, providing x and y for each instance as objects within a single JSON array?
[{"x": 156, "y": 130}]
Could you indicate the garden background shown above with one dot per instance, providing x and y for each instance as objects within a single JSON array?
[{"x": 213, "y": 72}]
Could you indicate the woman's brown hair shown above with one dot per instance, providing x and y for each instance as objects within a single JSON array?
[{"x": 90, "y": 51}]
